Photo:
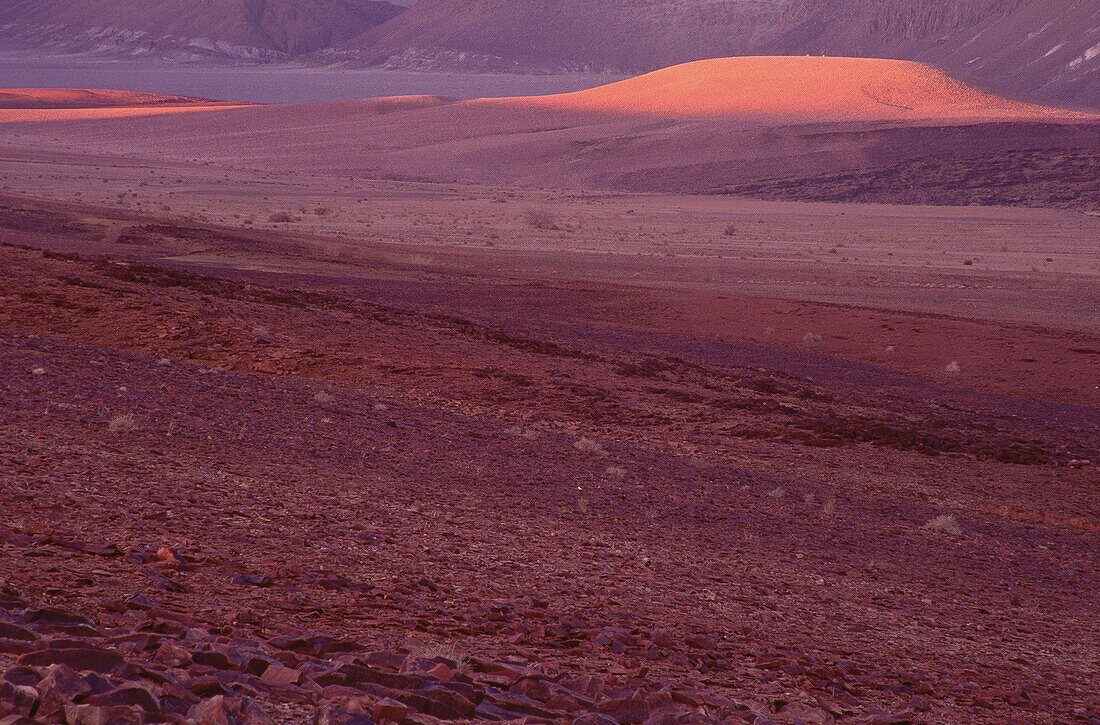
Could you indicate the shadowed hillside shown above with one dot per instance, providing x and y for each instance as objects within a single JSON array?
[
  {"x": 266, "y": 29},
  {"x": 1050, "y": 50}
]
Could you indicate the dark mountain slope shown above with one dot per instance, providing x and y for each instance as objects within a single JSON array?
[{"x": 243, "y": 28}]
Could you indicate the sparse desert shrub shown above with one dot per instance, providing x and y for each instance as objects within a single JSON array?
[
  {"x": 540, "y": 219},
  {"x": 122, "y": 423},
  {"x": 811, "y": 338},
  {"x": 440, "y": 651},
  {"x": 322, "y": 397},
  {"x": 38, "y": 371},
  {"x": 698, "y": 461},
  {"x": 777, "y": 493},
  {"x": 731, "y": 230},
  {"x": 520, "y": 432},
  {"x": 280, "y": 217},
  {"x": 616, "y": 471},
  {"x": 953, "y": 367},
  {"x": 945, "y": 524},
  {"x": 587, "y": 445},
  {"x": 830, "y": 507}
]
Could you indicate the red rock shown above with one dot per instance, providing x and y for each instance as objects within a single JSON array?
[
  {"x": 883, "y": 719},
  {"x": 214, "y": 659},
  {"x": 446, "y": 703},
  {"x": 23, "y": 676},
  {"x": 594, "y": 718},
  {"x": 58, "y": 688},
  {"x": 389, "y": 710},
  {"x": 699, "y": 641},
  {"x": 15, "y": 646},
  {"x": 441, "y": 671},
  {"x": 14, "y": 719},
  {"x": 172, "y": 655},
  {"x": 920, "y": 703},
  {"x": 212, "y": 712},
  {"x": 128, "y": 694},
  {"x": 207, "y": 686},
  {"x": 21, "y": 698},
  {"x": 82, "y": 659},
  {"x": 277, "y": 674},
  {"x": 14, "y": 631},
  {"x": 96, "y": 715},
  {"x": 636, "y": 707},
  {"x": 663, "y": 639}
]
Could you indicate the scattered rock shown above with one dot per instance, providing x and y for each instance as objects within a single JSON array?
[
  {"x": 389, "y": 710},
  {"x": 277, "y": 674},
  {"x": 83, "y": 659}
]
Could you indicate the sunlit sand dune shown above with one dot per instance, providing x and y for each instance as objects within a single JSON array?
[
  {"x": 68, "y": 104},
  {"x": 802, "y": 88},
  {"x": 747, "y": 126}
]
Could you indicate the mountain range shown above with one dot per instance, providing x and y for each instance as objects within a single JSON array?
[
  {"x": 182, "y": 29},
  {"x": 1048, "y": 49}
]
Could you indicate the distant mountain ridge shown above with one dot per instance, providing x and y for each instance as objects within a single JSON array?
[
  {"x": 615, "y": 35},
  {"x": 1044, "y": 48},
  {"x": 1048, "y": 49},
  {"x": 247, "y": 29}
]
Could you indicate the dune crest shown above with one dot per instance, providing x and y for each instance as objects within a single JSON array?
[
  {"x": 71, "y": 104},
  {"x": 796, "y": 88},
  {"x": 40, "y": 98}
]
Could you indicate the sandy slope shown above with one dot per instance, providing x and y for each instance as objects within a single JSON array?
[
  {"x": 806, "y": 88},
  {"x": 822, "y": 128},
  {"x": 82, "y": 98},
  {"x": 68, "y": 104}
]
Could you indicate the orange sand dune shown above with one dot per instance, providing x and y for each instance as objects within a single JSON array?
[
  {"x": 742, "y": 125},
  {"x": 796, "y": 88},
  {"x": 65, "y": 104},
  {"x": 82, "y": 98}
]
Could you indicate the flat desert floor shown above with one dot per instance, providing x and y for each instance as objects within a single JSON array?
[{"x": 312, "y": 447}]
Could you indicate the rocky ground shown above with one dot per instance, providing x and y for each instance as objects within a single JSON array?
[{"x": 274, "y": 491}]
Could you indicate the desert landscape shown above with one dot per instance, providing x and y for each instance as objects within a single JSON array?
[{"x": 752, "y": 389}]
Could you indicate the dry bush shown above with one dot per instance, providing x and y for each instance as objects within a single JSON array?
[
  {"x": 811, "y": 337},
  {"x": 122, "y": 423},
  {"x": 945, "y": 524},
  {"x": 520, "y": 432},
  {"x": 280, "y": 217},
  {"x": 540, "y": 219},
  {"x": 953, "y": 367},
  {"x": 777, "y": 493},
  {"x": 322, "y": 397},
  {"x": 616, "y": 471},
  {"x": 587, "y": 445},
  {"x": 440, "y": 651},
  {"x": 731, "y": 230}
]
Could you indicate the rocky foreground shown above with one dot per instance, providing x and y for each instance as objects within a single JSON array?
[{"x": 246, "y": 497}]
